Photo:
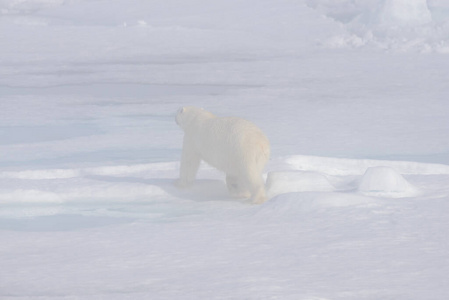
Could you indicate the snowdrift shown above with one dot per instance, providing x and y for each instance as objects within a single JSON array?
[{"x": 394, "y": 25}]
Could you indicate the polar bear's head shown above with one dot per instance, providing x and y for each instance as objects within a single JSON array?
[{"x": 188, "y": 115}]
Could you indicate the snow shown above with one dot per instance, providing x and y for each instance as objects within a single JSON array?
[
  {"x": 352, "y": 95},
  {"x": 405, "y": 12},
  {"x": 386, "y": 182},
  {"x": 393, "y": 25},
  {"x": 287, "y": 182}
]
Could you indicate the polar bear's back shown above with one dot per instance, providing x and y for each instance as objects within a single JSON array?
[{"x": 241, "y": 142}]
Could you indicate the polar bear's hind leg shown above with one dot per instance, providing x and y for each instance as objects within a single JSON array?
[
  {"x": 256, "y": 186},
  {"x": 258, "y": 195}
]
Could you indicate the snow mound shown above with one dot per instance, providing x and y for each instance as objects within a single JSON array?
[
  {"x": 385, "y": 182},
  {"x": 289, "y": 182},
  {"x": 396, "y": 25},
  {"x": 405, "y": 12}
]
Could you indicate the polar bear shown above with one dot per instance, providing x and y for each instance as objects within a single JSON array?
[{"x": 233, "y": 145}]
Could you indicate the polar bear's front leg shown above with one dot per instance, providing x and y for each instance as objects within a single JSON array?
[{"x": 190, "y": 162}]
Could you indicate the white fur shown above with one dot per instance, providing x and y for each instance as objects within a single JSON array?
[{"x": 233, "y": 145}]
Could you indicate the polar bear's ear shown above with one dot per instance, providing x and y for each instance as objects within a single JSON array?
[{"x": 181, "y": 110}]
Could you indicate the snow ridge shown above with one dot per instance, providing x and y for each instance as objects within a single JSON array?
[
  {"x": 342, "y": 166},
  {"x": 393, "y": 25},
  {"x": 129, "y": 183}
]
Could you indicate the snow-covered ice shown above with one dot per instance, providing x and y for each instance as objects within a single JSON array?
[{"x": 352, "y": 94}]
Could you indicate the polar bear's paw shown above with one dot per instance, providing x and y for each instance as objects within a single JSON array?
[
  {"x": 236, "y": 189},
  {"x": 259, "y": 200},
  {"x": 240, "y": 194},
  {"x": 259, "y": 196}
]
